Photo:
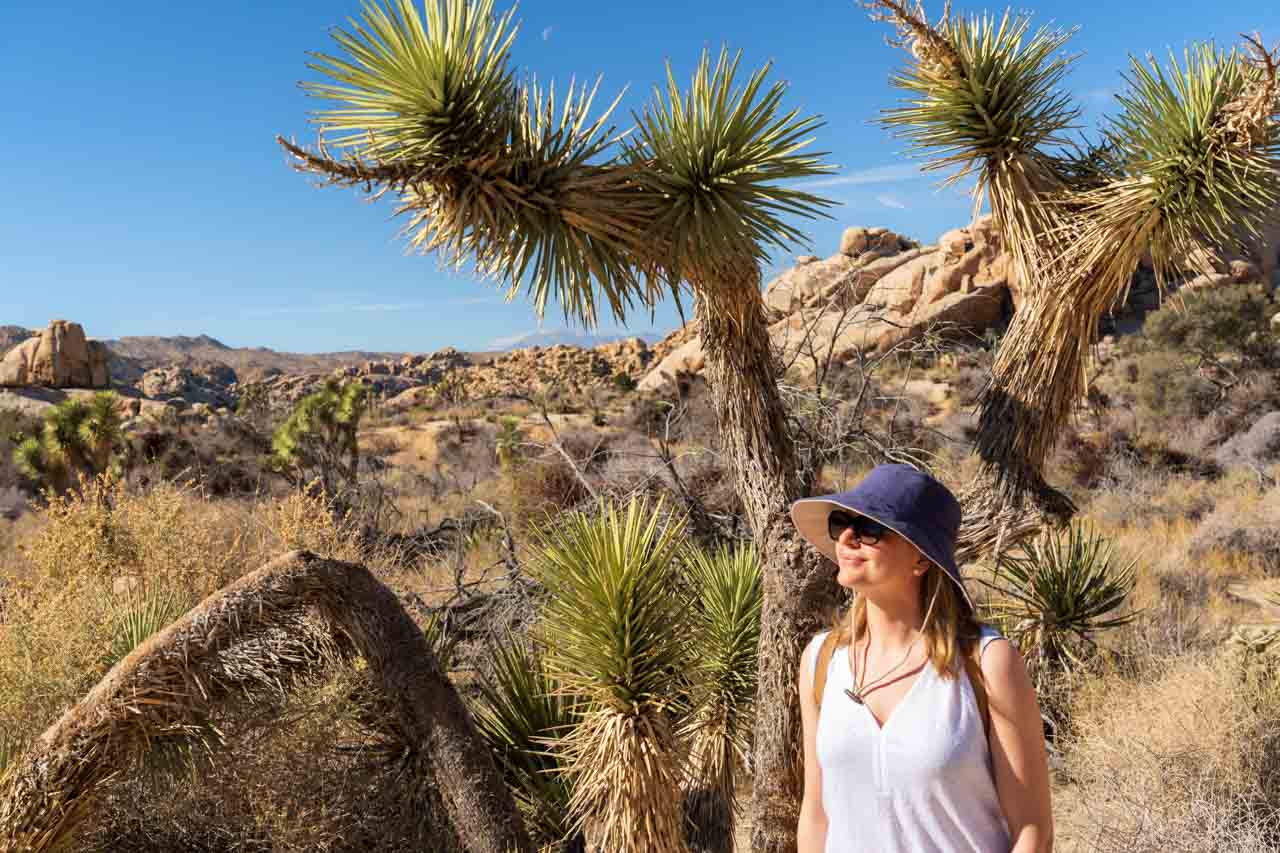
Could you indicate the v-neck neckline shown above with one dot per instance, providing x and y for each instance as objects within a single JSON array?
[{"x": 893, "y": 715}]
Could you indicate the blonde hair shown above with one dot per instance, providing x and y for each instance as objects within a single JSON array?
[{"x": 951, "y": 627}]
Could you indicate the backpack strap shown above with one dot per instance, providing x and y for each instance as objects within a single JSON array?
[
  {"x": 973, "y": 666},
  {"x": 825, "y": 651}
]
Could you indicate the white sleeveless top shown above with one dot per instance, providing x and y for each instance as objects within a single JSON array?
[{"x": 923, "y": 783}]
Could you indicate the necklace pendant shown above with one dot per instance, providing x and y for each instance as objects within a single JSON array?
[{"x": 854, "y": 696}]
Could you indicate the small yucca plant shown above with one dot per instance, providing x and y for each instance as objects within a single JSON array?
[
  {"x": 723, "y": 652},
  {"x": 615, "y": 625},
  {"x": 509, "y": 443},
  {"x": 443, "y": 642},
  {"x": 523, "y": 713},
  {"x": 1057, "y": 592},
  {"x": 140, "y": 616}
]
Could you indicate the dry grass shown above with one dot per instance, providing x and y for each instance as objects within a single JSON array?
[{"x": 1186, "y": 759}]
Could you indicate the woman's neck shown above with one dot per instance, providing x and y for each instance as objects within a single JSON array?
[{"x": 894, "y": 622}]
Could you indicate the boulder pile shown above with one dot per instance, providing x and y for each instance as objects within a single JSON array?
[
  {"x": 58, "y": 357},
  {"x": 878, "y": 291}
]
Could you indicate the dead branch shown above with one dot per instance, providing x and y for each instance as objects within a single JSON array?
[{"x": 181, "y": 676}]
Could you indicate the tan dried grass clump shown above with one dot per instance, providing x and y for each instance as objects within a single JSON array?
[
  {"x": 90, "y": 559},
  {"x": 1186, "y": 760}
]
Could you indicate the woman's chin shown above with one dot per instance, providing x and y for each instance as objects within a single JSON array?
[{"x": 850, "y": 577}]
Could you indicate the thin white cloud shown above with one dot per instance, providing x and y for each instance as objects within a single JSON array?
[
  {"x": 876, "y": 175},
  {"x": 370, "y": 307},
  {"x": 337, "y": 308},
  {"x": 1099, "y": 95},
  {"x": 546, "y": 33},
  {"x": 889, "y": 201}
]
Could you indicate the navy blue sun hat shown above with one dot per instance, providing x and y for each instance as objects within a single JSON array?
[{"x": 907, "y": 501}]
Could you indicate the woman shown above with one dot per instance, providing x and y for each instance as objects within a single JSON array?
[{"x": 925, "y": 735}]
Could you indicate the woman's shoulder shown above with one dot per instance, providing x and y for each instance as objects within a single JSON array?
[
  {"x": 987, "y": 634},
  {"x": 809, "y": 657}
]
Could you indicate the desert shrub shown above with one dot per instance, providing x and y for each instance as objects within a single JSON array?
[
  {"x": 306, "y": 520},
  {"x": 1234, "y": 319},
  {"x": 1167, "y": 383},
  {"x": 1184, "y": 760},
  {"x": 1061, "y": 589},
  {"x": 91, "y": 565},
  {"x": 1247, "y": 531},
  {"x": 542, "y": 486}
]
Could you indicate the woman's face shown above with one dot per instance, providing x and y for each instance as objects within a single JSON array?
[{"x": 890, "y": 562}]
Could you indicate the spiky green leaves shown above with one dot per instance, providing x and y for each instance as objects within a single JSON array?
[
  {"x": 534, "y": 192},
  {"x": 614, "y": 613},
  {"x": 1003, "y": 101},
  {"x": 728, "y": 598},
  {"x": 1191, "y": 178},
  {"x": 320, "y": 435},
  {"x": 140, "y": 616},
  {"x": 1059, "y": 591},
  {"x": 496, "y": 176},
  {"x": 714, "y": 159},
  {"x": 430, "y": 93},
  {"x": 77, "y": 439},
  {"x": 614, "y": 626},
  {"x": 523, "y": 711}
]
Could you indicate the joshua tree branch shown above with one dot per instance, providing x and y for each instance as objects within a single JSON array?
[{"x": 184, "y": 673}]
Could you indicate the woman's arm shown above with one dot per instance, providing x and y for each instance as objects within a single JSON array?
[
  {"x": 1017, "y": 749},
  {"x": 811, "y": 833}
]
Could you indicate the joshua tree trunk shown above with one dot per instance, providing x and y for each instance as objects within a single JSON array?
[
  {"x": 799, "y": 589},
  {"x": 182, "y": 673}
]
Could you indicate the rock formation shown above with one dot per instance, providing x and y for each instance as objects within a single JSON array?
[
  {"x": 58, "y": 357},
  {"x": 184, "y": 386},
  {"x": 877, "y": 291}
]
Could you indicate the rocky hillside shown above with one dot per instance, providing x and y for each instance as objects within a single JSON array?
[
  {"x": 876, "y": 292},
  {"x": 151, "y": 352}
]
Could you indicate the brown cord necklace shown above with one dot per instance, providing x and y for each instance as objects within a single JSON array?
[{"x": 859, "y": 692}]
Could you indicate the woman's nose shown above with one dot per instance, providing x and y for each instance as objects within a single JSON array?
[{"x": 847, "y": 539}]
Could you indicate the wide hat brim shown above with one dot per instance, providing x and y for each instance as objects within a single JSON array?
[{"x": 810, "y": 518}]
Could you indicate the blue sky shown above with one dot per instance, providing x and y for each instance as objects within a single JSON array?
[{"x": 143, "y": 194}]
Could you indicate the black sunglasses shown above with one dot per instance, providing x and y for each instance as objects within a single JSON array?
[{"x": 867, "y": 531}]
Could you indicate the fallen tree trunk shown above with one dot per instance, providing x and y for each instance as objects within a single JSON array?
[{"x": 179, "y": 676}]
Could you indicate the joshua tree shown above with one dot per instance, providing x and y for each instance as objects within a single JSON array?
[
  {"x": 77, "y": 440},
  {"x": 508, "y": 445},
  {"x": 1189, "y": 164},
  {"x": 319, "y": 438},
  {"x": 535, "y": 192}
]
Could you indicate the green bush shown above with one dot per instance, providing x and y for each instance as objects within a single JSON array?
[
  {"x": 1233, "y": 320},
  {"x": 1167, "y": 383}
]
